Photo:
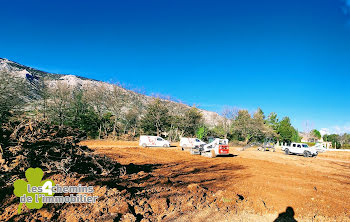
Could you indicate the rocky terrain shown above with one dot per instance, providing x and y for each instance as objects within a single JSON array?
[{"x": 33, "y": 75}]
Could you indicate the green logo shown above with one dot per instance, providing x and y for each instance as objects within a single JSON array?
[{"x": 31, "y": 192}]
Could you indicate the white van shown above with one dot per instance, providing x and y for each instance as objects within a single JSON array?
[
  {"x": 146, "y": 141},
  {"x": 190, "y": 142}
]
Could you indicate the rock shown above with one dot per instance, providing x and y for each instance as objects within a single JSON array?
[
  {"x": 128, "y": 218},
  {"x": 159, "y": 205},
  {"x": 138, "y": 209},
  {"x": 193, "y": 187}
]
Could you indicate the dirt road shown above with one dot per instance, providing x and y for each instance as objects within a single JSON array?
[{"x": 258, "y": 185}]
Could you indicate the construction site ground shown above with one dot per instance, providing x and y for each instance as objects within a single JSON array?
[{"x": 248, "y": 185}]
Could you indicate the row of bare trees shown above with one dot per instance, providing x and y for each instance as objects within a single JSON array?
[
  {"x": 110, "y": 111},
  {"x": 102, "y": 109},
  {"x": 240, "y": 125}
]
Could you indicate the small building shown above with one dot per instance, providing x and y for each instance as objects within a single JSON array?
[{"x": 306, "y": 138}]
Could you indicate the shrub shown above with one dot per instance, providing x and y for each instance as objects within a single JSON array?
[
  {"x": 346, "y": 146},
  {"x": 310, "y": 144}
]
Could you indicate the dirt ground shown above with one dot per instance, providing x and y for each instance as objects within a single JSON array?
[{"x": 249, "y": 185}]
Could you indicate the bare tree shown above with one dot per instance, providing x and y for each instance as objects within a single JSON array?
[
  {"x": 229, "y": 114},
  {"x": 117, "y": 100},
  {"x": 60, "y": 99},
  {"x": 44, "y": 93},
  {"x": 97, "y": 96},
  {"x": 12, "y": 94},
  {"x": 176, "y": 129},
  {"x": 308, "y": 134},
  {"x": 131, "y": 122},
  {"x": 156, "y": 119}
]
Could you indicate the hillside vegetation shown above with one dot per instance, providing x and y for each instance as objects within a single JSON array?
[{"x": 106, "y": 110}]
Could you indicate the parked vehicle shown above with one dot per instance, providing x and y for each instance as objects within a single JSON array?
[
  {"x": 148, "y": 141},
  {"x": 217, "y": 147},
  {"x": 319, "y": 148},
  {"x": 300, "y": 149},
  {"x": 190, "y": 142},
  {"x": 268, "y": 145}
]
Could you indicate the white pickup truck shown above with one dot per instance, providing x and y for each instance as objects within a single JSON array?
[{"x": 300, "y": 149}]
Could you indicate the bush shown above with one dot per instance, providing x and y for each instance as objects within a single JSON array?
[
  {"x": 346, "y": 146},
  {"x": 336, "y": 145},
  {"x": 202, "y": 132},
  {"x": 310, "y": 144}
]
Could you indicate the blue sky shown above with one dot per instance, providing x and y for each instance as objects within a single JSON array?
[{"x": 290, "y": 57}]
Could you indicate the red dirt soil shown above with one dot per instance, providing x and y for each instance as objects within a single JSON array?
[{"x": 258, "y": 185}]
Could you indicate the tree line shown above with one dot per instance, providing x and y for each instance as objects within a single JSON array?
[
  {"x": 338, "y": 141},
  {"x": 240, "y": 125},
  {"x": 109, "y": 111}
]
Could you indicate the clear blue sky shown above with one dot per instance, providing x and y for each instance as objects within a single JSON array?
[{"x": 290, "y": 57}]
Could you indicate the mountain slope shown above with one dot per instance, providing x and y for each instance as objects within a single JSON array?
[{"x": 31, "y": 75}]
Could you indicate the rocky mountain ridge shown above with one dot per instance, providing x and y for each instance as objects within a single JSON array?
[{"x": 32, "y": 74}]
